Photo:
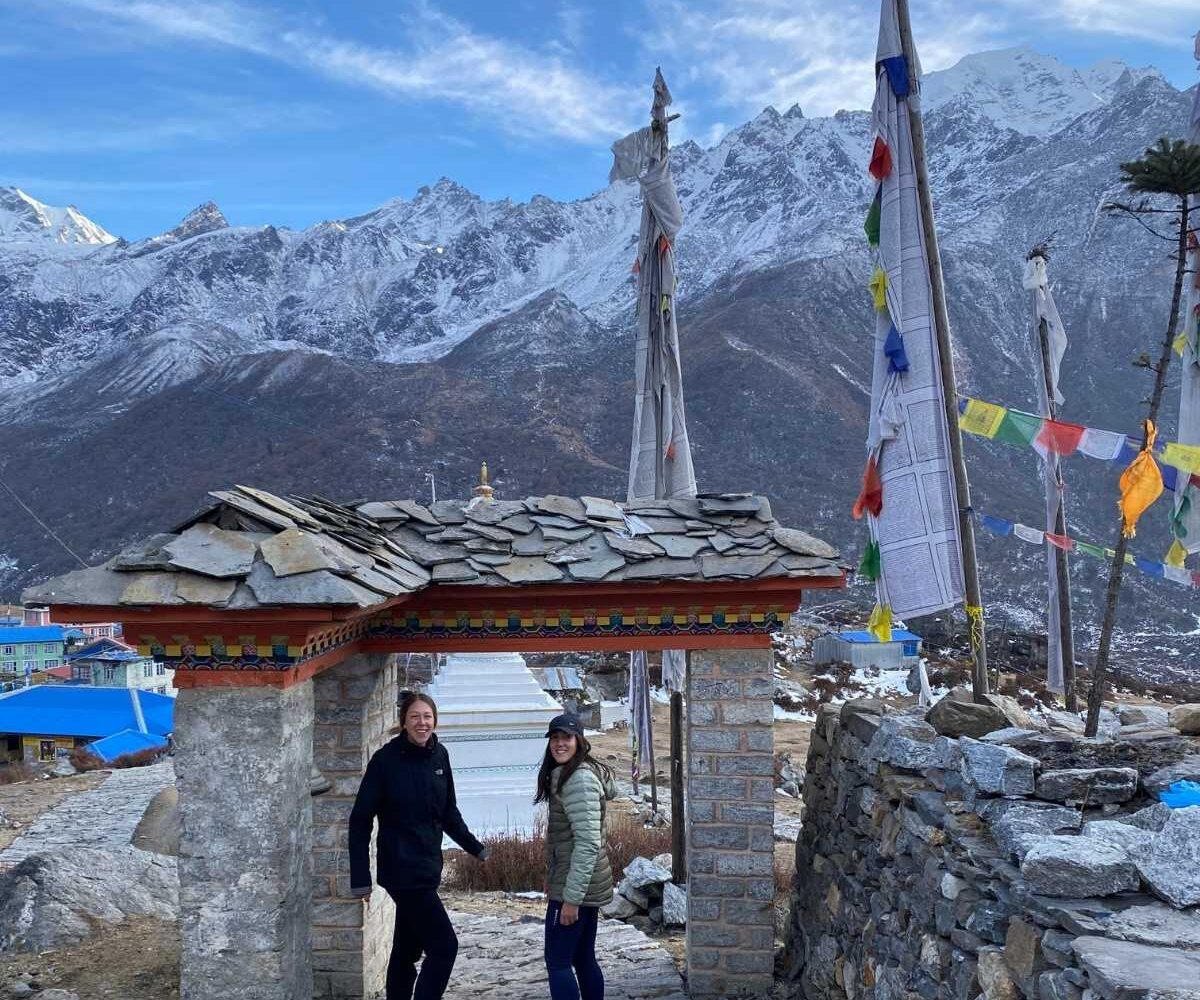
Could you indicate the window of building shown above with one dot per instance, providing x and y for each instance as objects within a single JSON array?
[
  {"x": 9, "y": 666},
  {"x": 49, "y": 647},
  {"x": 110, "y": 673},
  {"x": 45, "y": 749},
  {"x": 48, "y": 664},
  {"x": 9, "y": 651},
  {"x": 148, "y": 669},
  {"x": 160, "y": 668}
]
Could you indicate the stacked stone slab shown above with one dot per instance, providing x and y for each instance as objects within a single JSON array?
[{"x": 1019, "y": 865}]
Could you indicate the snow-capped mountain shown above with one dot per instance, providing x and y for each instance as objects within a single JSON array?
[
  {"x": 25, "y": 218},
  {"x": 353, "y": 357}
]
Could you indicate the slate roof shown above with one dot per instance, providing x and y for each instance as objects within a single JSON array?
[
  {"x": 251, "y": 549},
  {"x": 62, "y": 710}
]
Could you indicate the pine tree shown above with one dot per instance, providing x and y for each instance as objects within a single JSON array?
[{"x": 1168, "y": 169}]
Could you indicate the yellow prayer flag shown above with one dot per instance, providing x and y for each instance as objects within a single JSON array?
[
  {"x": 1141, "y": 484},
  {"x": 880, "y": 623},
  {"x": 1180, "y": 343},
  {"x": 1182, "y": 456},
  {"x": 982, "y": 418},
  {"x": 1176, "y": 554},
  {"x": 878, "y": 286}
]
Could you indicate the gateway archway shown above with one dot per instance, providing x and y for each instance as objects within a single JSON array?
[{"x": 283, "y": 619}]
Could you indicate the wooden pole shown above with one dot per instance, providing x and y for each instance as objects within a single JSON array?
[
  {"x": 678, "y": 820},
  {"x": 941, "y": 326},
  {"x": 1065, "y": 630}
]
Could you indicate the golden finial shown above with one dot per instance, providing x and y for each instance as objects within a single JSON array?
[{"x": 483, "y": 493}]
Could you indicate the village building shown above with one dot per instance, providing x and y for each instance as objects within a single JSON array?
[
  {"x": 861, "y": 649},
  {"x": 46, "y": 722},
  {"x": 26, "y": 650},
  {"x": 112, "y": 663},
  {"x": 283, "y": 620}
]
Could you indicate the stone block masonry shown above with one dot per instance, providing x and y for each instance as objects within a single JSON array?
[
  {"x": 354, "y": 710},
  {"x": 242, "y": 768},
  {"x": 730, "y": 795},
  {"x": 930, "y": 867}
]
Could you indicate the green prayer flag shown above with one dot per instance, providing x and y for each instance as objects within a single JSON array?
[
  {"x": 1090, "y": 550},
  {"x": 871, "y": 226},
  {"x": 1018, "y": 428},
  {"x": 869, "y": 566},
  {"x": 1180, "y": 516}
]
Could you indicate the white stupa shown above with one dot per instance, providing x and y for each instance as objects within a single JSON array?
[{"x": 492, "y": 718}]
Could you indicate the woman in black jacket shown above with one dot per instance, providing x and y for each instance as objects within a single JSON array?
[{"x": 409, "y": 787}]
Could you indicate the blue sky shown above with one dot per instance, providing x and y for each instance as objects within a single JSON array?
[{"x": 290, "y": 113}]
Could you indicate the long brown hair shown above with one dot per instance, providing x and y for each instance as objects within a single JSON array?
[
  {"x": 583, "y": 755},
  {"x": 411, "y": 698}
]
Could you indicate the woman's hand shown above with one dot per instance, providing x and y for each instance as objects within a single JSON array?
[{"x": 568, "y": 915}]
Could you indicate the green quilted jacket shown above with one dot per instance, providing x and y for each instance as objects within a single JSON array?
[{"x": 577, "y": 865}]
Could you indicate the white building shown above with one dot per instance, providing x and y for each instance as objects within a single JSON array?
[{"x": 492, "y": 718}]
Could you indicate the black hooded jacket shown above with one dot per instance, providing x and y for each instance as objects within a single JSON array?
[{"x": 411, "y": 790}]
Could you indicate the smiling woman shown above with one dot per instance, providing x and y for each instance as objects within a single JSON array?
[{"x": 409, "y": 787}]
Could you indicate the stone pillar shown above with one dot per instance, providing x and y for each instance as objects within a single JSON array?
[
  {"x": 355, "y": 709},
  {"x": 731, "y": 795},
  {"x": 242, "y": 768}
]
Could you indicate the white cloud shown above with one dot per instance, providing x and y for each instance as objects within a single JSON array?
[
  {"x": 521, "y": 90},
  {"x": 1163, "y": 22}
]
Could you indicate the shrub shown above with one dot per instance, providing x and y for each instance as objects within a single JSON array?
[
  {"x": 16, "y": 770},
  {"x": 82, "y": 759},
  {"x": 516, "y": 862},
  {"x": 139, "y": 758}
]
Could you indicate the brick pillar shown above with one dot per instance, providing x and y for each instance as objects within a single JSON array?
[
  {"x": 731, "y": 795},
  {"x": 242, "y": 769},
  {"x": 355, "y": 708}
]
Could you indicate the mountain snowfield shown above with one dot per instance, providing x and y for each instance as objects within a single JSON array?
[{"x": 432, "y": 332}]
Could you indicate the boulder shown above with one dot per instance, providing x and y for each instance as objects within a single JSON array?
[
  {"x": 619, "y": 908},
  {"x": 997, "y": 769},
  {"x": 1123, "y": 970},
  {"x": 1066, "y": 722},
  {"x": 994, "y": 978},
  {"x": 1170, "y": 868},
  {"x": 636, "y": 896},
  {"x": 1138, "y": 715},
  {"x": 51, "y": 900},
  {"x": 1078, "y": 866},
  {"x": 1020, "y": 827},
  {"x": 951, "y": 717},
  {"x": 1092, "y": 785},
  {"x": 674, "y": 905},
  {"x": 1157, "y": 924},
  {"x": 641, "y": 872},
  {"x": 1023, "y": 954},
  {"x": 861, "y": 716},
  {"x": 1125, "y": 835},
  {"x": 905, "y": 742},
  {"x": 1186, "y": 718}
]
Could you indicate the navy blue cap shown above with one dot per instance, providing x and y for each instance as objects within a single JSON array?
[{"x": 568, "y": 722}]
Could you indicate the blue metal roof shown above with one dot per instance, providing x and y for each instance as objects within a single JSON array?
[
  {"x": 36, "y": 633},
  {"x": 61, "y": 710},
  {"x": 898, "y": 635},
  {"x": 126, "y": 741}
]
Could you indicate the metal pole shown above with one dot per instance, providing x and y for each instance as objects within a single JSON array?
[
  {"x": 941, "y": 327},
  {"x": 1066, "y": 632}
]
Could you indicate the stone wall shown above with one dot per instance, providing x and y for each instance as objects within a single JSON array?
[
  {"x": 730, "y": 795},
  {"x": 1021, "y": 864},
  {"x": 355, "y": 709}
]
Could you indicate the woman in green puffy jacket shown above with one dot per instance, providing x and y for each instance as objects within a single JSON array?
[{"x": 579, "y": 881}]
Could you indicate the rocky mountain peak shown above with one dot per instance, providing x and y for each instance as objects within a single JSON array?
[
  {"x": 23, "y": 217},
  {"x": 204, "y": 218}
]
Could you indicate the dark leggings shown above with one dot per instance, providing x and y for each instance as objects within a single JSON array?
[
  {"x": 422, "y": 927},
  {"x": 571, "y": 955}
]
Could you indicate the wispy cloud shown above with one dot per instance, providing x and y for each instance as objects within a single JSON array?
[
  {"x": 523, "y": 91},
  {"x": 132, "y": 186},
  {"x": 1162, "y": 22}
]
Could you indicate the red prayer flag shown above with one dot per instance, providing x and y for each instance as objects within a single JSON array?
[
  {"x": 637, "y": 267},
  {"x": 664, "y": 245},
  {"x": 1060, "y": 541},
  {"x": 1059, "y": 437},
  {"x": 870, "y": 497},
  {"x": 881, "y": 159}
]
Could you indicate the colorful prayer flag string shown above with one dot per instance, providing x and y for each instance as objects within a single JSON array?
[{"x": 1160, "y": 570}]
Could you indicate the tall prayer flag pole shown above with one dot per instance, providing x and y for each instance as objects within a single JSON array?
[
  {"x": 660, "y": 463},
  {"x": 921, "y": 554},
  {"x": 1052, "y": 345}
]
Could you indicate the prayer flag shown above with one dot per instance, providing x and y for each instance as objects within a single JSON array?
[
  {"x": 870, "y": 497},
  {"x": 996, "y": 525},
  {"x": 1059, "y": 437},
  {"x": 1182, "y": 456},
  {"x": 1034, "y": 536},
  {"x": 1060, "y": 541},
  {"x": 1104, "y": 445},
  {"x": 1141, "y": 484},
  {"x": 880, "y": 623},
  {"x": 871, "y": 226},
  {"x": 1149, "y": 567},
  {"x": 1018, "y": 428},
  {"x": 1177, "y": 574},
  {"x": 982, "y": 418},
  {"x": 893, "y": 347},
  {"x": 1176, "y": 554},
  {"x": 878, "y": 286},
  {"x": 1089, "y": 550},
  {"x": 868, "y": 568},
  {"x": 881, "y": 159}
]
